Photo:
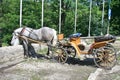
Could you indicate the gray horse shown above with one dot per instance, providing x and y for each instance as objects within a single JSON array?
[{"x": 44, "y": 34}]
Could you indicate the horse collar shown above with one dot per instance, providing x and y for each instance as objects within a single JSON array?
[{"x": 22, "y": 31}]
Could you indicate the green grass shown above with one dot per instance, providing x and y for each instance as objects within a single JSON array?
[
  {"x": 4, "y": 44},
  {"x": 118, "y": 58},
  {"x": 35, "y": 77},
  {"x": 42, "y": 51}
]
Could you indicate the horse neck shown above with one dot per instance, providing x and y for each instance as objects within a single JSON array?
[
  {"x": 18, "y": 30},
  {"x": 31, "y": 33}
]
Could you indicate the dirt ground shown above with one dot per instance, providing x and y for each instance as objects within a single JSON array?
[{"x": 48, "y": 70}]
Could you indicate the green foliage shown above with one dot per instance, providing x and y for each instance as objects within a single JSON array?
[
  {"x": 31, "y": 16},
  {"x": 115, "y": 19},
  {"x": 6, "y": 39}
]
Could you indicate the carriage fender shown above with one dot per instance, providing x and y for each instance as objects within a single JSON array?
[{"x": 76, "y": 48}]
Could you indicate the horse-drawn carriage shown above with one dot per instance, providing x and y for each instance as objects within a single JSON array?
[
  {"x": 104, "y": 54},
  {"x": 102, "y": 50}
]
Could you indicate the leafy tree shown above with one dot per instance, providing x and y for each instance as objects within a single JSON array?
[
  {"x": 9, "y": 18},
  {"x": 115, "y": 18},
  {"x": 31, "y": 17}
]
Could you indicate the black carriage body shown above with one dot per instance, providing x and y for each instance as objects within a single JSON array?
[{"x": 105, "y": 38}]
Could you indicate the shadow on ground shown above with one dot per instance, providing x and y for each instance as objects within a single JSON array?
[
  {"x": 87, "y": 61},
  {"x": 70, "y": 60}
]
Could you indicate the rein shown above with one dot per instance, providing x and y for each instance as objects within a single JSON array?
[{"x": 32, "y": 40}]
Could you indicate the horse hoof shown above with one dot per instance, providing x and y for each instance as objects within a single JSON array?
[
  {"x": 25, "y": 57},
  {"x": 35, "y": 58},
  {"x": 47, "y": 56}
]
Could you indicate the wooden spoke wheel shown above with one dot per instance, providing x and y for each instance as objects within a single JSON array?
[
  {"x": 105, "y": 57},
  {"x": 71, "y": 51},
  {"x": 60, "y": 55}
]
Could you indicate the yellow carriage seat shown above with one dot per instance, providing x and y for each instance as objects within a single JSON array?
[{"x": 75, "y": 38}]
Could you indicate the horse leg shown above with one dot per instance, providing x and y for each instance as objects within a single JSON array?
[
  {"x": 31, "y": 50},
  {"x": 54, "y": 40},
  {"x": 23, "y": 45},
  {"x": 25, "y": 48},
  {"x": 48, "y": 52},
  {"x": 48, "y": 44}
]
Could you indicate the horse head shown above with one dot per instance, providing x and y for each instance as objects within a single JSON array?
[{"x": 15, "y": 39}]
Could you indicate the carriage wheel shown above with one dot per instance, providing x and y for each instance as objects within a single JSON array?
[
  {"x": 71, "y": 51},
  {"x": 60, "y": 55},
  {"x": 105, "y": 57}
]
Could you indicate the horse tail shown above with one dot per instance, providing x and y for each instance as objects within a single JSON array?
[{"x": 54, "y": 39}]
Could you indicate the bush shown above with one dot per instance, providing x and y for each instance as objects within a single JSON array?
[{"x": 6, "y": 39}]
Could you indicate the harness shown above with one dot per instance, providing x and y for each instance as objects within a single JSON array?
[
  {"x": 30, "y": 33},
  {"x": 22, "y": 31},
  {"x": 29, "y": 36}
]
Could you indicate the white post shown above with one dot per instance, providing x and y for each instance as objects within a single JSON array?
[
  {"x": 90, "y": 19},
  {"x": 75, "y": 17},
  {"x": 60, "y": 18},
  {"x": 102, "y": 18},
  {"x": 109, "y": 16},
  {"x": 20, "y": 13},
  {"x": 108, "y": 27},
  {"x": 42, "y": 12}
]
